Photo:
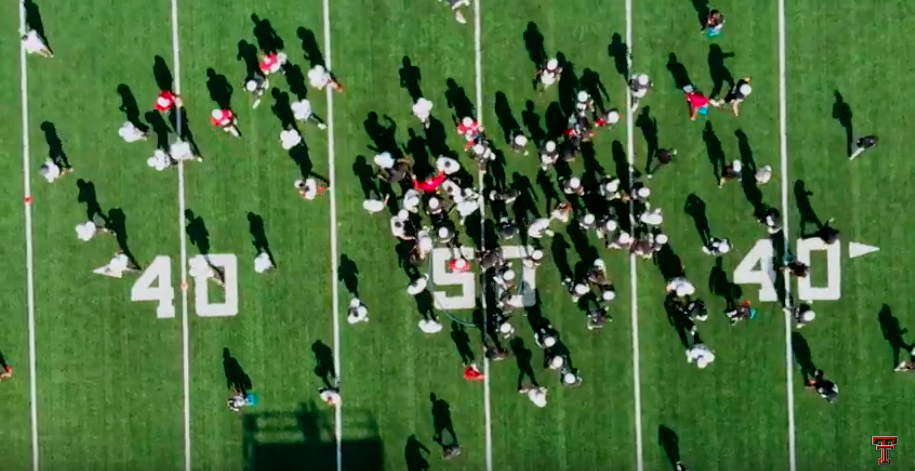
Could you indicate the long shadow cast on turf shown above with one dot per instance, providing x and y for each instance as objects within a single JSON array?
[{"x": 893, "y": 333}]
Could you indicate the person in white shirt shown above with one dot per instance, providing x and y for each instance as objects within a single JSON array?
[
  {"x": 357, "y": 312},
  {"x": 118, "y": 264},
  {"x": 763, "y": 175},
  {"x": 536, "y": 394},
  {"x": 519, "y": 144},
  {"x": 448, "y": 165},
  {"x": 130, "y": 133},
  {"x": 34, "y": 44},
  {"x": 257, "y": 86},
  {"x": 290, "y": 138},
  {"x": 411, "y": 201},
  {"x": 422, "y": 109},
  {"x": 700, "y": 354},
  {"x": 418, "y": 285},
  {"x": 430, "y": 326},
  {"x": 87, "y": 230},
  {"x": 181, "y": 150},
  {"x": 539, "y": 228},
  {"x": 549, "y": 73},
  {"x": 681, "y": 286},
  {"x": 319, "y": 77},
  {"x": 263, "y": 263},
  {"x": 652, "y": 217},
  {"x": 330, "y": 396},
  {"x": 199, "y": 267},
  {"x": 373, "y": 206},
  {"x": 308, "y": 188},
  {"x": 50, "y": 171},
  {"x": 301, "y": 111},
  {"x": 160, "y": 160},
  {"x": 717, "y": 246}
]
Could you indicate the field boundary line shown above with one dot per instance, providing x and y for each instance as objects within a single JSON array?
[
  {"x": 633, "y": 276},
  {"x": 29, "y": 246},
  {"x": 783, "y": 153},
  {"x": 334, "y": 249},
  {"x": 478, "y": 81},
  {"x": 182, "y": 206}
]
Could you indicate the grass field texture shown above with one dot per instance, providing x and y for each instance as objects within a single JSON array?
[{"x": 110, "y": 376}]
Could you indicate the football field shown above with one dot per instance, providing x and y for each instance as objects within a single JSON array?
[{"x": 131, "y": 373}]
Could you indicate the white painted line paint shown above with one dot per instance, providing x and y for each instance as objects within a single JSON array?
[
  {"x": 29, "y": 247},
  {"x": 633, "y": 276},
  {"x": 334, "y": 249},
  {"x": 783, "y": 151},
  {"x": 182, "y": 205},
  {"x": 856, "y": 249},
  {"x": 478, "y": 71}
]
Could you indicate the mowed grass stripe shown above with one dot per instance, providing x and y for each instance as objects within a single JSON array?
[
  {"x": 108, "y": 369},
  {"x": 867, "y": 198},
  {"x": 391, "y": 367},
  {"x": 564, "y": 434},
  {"x": 282, "y": 313},
  {"x": 710, "y": 409}
]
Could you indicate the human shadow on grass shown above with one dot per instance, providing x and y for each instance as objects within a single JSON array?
[
  {"x": 702, "y": 10},
  {"x": 197, "y": 233},
  {"x": 695, "y": 208},
  {"x": 677, "y": 319},
  {"x": 55, "y": 146},
  {"x": 669, "y": 263},
  {"x": 569, "y": 85},
  {"x": 462, "y": 342},
  {"x": 669, "y": 441},
  {"x": 163, "y": 74},
  {"x": 506, "y": 118},
  {"x": 366, "y": 175},
  {"x": 267, "y": 38},
  {"x": 841, "y": 112},
  {"x": 88, "y": 196},
  {"x": 302, "y": 159},
  {"x": 33, "y": 20},
  {"x": 178, "y": 118},
  {"x": 619, "y": 52},
  {"x": 531, "y": 121},
  {"x": 441, "y": 422},
  {"x": 437, "y": 138},
  {"x": 130, "y": 108},
  {"x": 236, "y": 378},
  {"x": 720, "y": 285},
  {"x": 160, "y": 128},
  {"x": 803, "y": 356},
  {"x": 548, "y": 188},
  {"x": 310, "y": 47},
  {"x": 410, "y": 78},
  {"x": 383, "y": 136},
  {"x": 748, "y": 175},
  {"x": 649, "y": 127},
  {"x": 220, "y": 89},
  {"x": 458, "y": 101},
  {"x": 117, "y": 224},
  {"x": 718, "y": 70},
  {"x": 324, "y": 363},
  {"x": 414, "y": 454},
  {"x": 523, "y": 357},
  {"x": 247, "y": 52},
  {"x": 533, "y": 42},
  {"x": 559, "y": 248},
  {"x": 590, "y": 82},
  {"x": 893, "y": 333},
  {"x": 678, "y": 72},
  {"x": 556, "y": 121},
  {"x": 805, "y": 209},
  {"x": 282, "y": 109},
  {"x": 259, "y": 235},
  {"x": 714, "y": 149},
  {"x": 296, "y": 81},
  {"x": 349, "y": 275}
]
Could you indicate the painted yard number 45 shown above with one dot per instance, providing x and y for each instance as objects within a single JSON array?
[{"x": 155, "y": 285}]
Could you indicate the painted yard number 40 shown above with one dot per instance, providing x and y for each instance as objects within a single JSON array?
[
  {"x": 155, "y": 285},
  {"x": 756, "y": 269}
]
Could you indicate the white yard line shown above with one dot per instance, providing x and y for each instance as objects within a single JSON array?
[
  {"x": 182, "y": 205},
  {"x": 332, "y": 191},
  {"x": 478, "y": 71},
  {"x": 633, "y": 277},
  {"x": 29, "y": 252},
  {"x": 783, "y": 151}
]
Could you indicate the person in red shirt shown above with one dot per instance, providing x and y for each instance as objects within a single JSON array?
[
  {"x": 698, "y": 103},
  {"x": 272, "y": 63},
  {"x": 167, "y": 100},
  {"x": 429, "y": 185},
  {"x": 470, "y": 129},
  {"x": 226, "y": 120},
  {"x": 459, "y": 265},
  {"x": 472, "y": 373}
]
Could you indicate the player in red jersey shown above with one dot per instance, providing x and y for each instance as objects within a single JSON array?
[
  {"x": 226, "y": 120},
  {"x": 698, "y": 103},
  {"x": 167, "y": 100},
  {"x": 472, "y": 373},
  {"x": 272, "y": 63}
]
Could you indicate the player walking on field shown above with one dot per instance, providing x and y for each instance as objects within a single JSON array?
[{"x": 225, "y": 120}]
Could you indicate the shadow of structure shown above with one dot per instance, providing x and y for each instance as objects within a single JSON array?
[{"x": 303, "y": 440}]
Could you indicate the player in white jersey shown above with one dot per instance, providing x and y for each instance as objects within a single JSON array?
[
  {"x": 549, "y": 73},
  {"x": 319, "y": 77},
  {"x": 290, "y": 138},
  {"x": 422, "y": 109},
  {"x": 34, "y": 44},
  {"x": 257, "y": 86},
  {"x": 263, "y": 262},
  {"x": 638, "y": 88},
  {"x": 50, "y": 171},
  {"x": 700, "y": 354},
  {"x": 539, "y": 228},
  {"x": 199, "y": 267},
  {"x": 456, "y": 6},
  {"x": 130, "y": 133},
  {"x": 536, "y": 394},
  {"x": 357, "y": 312},
  {"x": 301, "y": 111},
  {"x": 160, "y": 160},
  {"x": 330, "y": 396},
  {"x": 181, "y": 150}
]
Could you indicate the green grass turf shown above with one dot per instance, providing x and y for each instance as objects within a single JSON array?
[{"x": 110, "y": 374}]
